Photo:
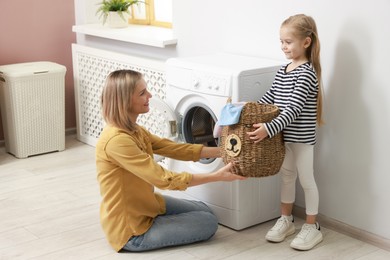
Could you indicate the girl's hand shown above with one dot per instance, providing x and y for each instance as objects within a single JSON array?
[{"x": 259, "y": 134}]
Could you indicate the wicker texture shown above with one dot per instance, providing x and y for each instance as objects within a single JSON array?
[{"x": 252, "y": 160}]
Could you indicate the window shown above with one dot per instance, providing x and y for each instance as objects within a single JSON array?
[{"x": 153, "y": 12}]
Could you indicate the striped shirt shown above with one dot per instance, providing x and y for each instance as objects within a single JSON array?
[{"x": 295, "y": 93}]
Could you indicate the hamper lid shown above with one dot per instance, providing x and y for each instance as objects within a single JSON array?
[{"x": 31, "y": 68}]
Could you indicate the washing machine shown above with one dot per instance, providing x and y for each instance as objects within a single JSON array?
[{"x": 197, "y": 89}]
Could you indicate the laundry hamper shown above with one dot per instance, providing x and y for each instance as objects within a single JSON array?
[
  {"x": 32, "y": 99},
  {"x": 252, "y": 159}
]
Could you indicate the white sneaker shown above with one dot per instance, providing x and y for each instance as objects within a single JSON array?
[
  {"x": 309, "y": 236},
  {"x": 282, "y": 228}
]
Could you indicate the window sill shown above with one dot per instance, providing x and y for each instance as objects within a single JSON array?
[{"x": 140, "y": 34}]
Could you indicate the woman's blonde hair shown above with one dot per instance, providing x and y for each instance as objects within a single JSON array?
[
  {"x": 305, "y": 26},
  {"x": 116, "y": 98}
]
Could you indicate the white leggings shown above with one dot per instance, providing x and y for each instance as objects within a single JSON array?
[{"x": 298, "y": 161}]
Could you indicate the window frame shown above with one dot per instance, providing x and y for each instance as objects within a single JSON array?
[{"x": 149, "y": 17}]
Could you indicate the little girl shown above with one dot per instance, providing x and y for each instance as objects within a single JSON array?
[{"x": 296, "y": 90}]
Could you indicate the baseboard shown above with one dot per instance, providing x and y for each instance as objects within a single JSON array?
[
  {"x": 68, "y": 131},
  {"x": 346, "y": 229},
  {"x": 71, "y": 131}
]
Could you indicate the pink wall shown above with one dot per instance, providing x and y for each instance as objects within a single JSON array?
[{"x": 39, "y": 30}]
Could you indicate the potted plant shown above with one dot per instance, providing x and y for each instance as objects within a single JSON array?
[{"x": 116, "y": 12}]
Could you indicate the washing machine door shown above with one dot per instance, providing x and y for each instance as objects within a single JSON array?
[
  {"x": 197, "y": 127},
  {"x": 160, "y": 120}
]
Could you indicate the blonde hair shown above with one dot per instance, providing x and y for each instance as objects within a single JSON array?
[
  {"x": 116, "y": 98},
  {"x": 305, "y": 26}
]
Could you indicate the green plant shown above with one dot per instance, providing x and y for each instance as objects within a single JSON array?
[{"x": 119, "y": 6}]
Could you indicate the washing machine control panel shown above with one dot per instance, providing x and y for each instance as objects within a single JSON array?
[{"x": 210, "y": 83}]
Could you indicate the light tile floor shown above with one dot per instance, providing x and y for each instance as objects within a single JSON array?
[{"x": 49, "y": 209}]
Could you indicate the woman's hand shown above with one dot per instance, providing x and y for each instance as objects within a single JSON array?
[
  {"x": 226, "y": 174},
  {"x": 259, "y": 134},
  {"x": 222, "y": 174}
]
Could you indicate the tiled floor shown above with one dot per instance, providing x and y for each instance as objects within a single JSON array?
[{"x": 49, "y": 209}]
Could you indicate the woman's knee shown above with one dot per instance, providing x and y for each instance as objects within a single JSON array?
[
  {"x": 177, "y": 206},
  {"x": 207, "y": 222}
]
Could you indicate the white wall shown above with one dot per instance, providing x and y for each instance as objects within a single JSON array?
[{"x": 352, "y": 149}]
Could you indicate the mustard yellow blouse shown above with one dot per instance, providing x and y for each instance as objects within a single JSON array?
[{"x": 127, "y": 175}]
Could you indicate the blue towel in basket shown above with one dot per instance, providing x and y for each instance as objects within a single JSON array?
[{"x": 230, "y": 113}]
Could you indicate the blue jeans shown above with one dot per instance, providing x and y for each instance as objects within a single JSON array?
[{"x": 184, "y": 222}]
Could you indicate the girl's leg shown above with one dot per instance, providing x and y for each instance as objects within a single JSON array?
[
  {"x": 286, "y": 208},
  {"x": 310, "y": 234},
  {"x": 185, "y": 222},
  {"x": 304, "y": 157},
  {"x": 284, "y": 226},
  {"x": 289, "y": 175}
]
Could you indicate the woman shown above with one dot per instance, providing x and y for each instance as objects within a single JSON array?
[{"x": 133, "y": 217}]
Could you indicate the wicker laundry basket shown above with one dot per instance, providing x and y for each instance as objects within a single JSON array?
[{"x": 252, "y": 160}]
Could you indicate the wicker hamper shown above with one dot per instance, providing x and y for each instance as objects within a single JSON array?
[
  {"x": 32, "y": 101},
  {"x": 252, "y": 160}
]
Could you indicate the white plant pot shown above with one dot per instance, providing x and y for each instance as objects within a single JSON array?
[{"x": 114, "y": 20}]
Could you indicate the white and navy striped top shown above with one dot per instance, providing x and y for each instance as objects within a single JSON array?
[{"x": 295, "y": 93}]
